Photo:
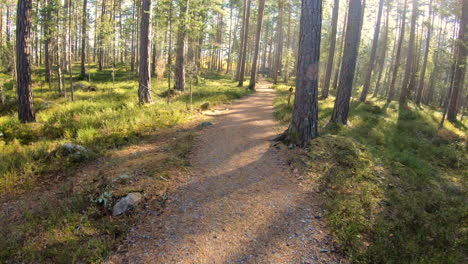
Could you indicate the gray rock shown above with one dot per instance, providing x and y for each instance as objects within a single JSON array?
[
  {"x": 206, "y": 124},
  {"x": 126, "y": 203},
  {"x": 70, "y": 147},
  {"x": 205, "y": 106},
  {"x": 122, "y": 178}
]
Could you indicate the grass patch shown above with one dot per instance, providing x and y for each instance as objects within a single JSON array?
[
  {"x": 394, "y": 186},
  {"x": 102, "y": 120},
  {"x": 57, "y": 203}
]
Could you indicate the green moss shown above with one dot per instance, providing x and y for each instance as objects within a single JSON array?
[{"x": 394, "y": 185}]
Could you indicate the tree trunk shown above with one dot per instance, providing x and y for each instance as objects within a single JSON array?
[
  {"x": 331, "y": 52},
  {"x": 101, "y": 37},
  {"x": 23, "y": 63},
  {"x": 406, "y": 88},
  {"x": 375, "y": 41},
  {"x": 144, "y": 89},
  {"x": 253, "y": 77},
  {"x": 426, "y": 56},
  {"x": 244, "y": 45},
  {"x": 84, "y": 38},
  {"x": 304, "y": 124},
  {"x": 231, "y": 45},
  {"x": 179, "y": 75},
  {"x": 242, "y": 34},
  {"x": 337, "y": 73},
  {"x": 391, "y": 92},
  {"x": 47, "y": 37},
  {"x": 70, "y": 50},
  {"x": 279, "y": 43},
  {"x": 383, "y": 55},
  {"x": 350, "y": 52},
  {"x": 460, "y": 64}
]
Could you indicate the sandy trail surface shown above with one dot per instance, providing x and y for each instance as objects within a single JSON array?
[{"x": 242, "y": 204}]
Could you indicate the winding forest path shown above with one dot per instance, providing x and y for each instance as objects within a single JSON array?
[{"x": 242, "y": 204}]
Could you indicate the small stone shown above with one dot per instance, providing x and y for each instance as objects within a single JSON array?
[
  {"x": 205, "y": 106},
  {"x": 206, "y": 124},
  {"x": 123, "y": 178},
  {"x": 126, "y": 203}
]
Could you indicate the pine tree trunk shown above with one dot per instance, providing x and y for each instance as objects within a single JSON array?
[
  {"x": 253, "y": 77},
  {"x": 144, "y": 89},
  {"x": 244, "y": 45},
  {"x": 460, "y": 64},
  {"x": 179, "y": 75},
  {"x": 426, "y": 56},
  {"x": 391, "y": 92},
  {"x": 331, "y": 52},
  {"x": 350, "y": 52},
  {"x": 304, "y": 124},
  {"x": 47, "y": 37},
  {"x": 279, "y": 43},
  {"x": 23, "y": 61},
  {"x": 406, "y": 88},
  {"x": 84, "y": 38},
  {"x": 383, "y": 56},
  {"x": 242, "y": 34},
  {"x": 375, "y": 41},
  {"x": 337, "y": 73}
]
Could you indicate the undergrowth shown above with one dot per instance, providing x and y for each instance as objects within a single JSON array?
[
  {"x": 69, "y": 222},
  {"x": 102, "y": 120},
  {"x": 394, "y": 186}
]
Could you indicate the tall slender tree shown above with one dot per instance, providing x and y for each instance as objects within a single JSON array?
[
  {"x": 84, "y": 38},
  {"x": 460, "y": 66},
  {"x": 406, "y": 88},
  {"x": 331, "y": 52},
  {"x": 253, "y": 77},
  {"x": 391, "y": 92},
  {"x": 179, "y": 74},
  {"x": 350, "y": 52},
  {"x": 375, "y": 41},
  {"x": 279, "y": 43},
  {"x": 304, "y": 124},
  {"x": 244, "y": 44},
  {"x": 426, "y": 56},
  {"x": 23, "y": 62},
  {"x": 144, "y": 88}
]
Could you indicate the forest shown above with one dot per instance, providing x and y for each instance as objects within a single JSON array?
[{"x": 233, "y": 131}]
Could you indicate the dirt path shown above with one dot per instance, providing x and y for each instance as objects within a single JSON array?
[{"x": 242, "y": 205}]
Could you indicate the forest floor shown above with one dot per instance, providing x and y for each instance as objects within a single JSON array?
[{"x": 243, "y": 202}]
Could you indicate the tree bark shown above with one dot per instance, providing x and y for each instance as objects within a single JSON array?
[
  {"x": 350, "y": 52},
  {"x": 101, "y": 37},
  {"x": 375, "y": 42},
  {"x": 23, "y": 48},
  {"x": 391, "y": 92},
  {"x": 144, "y": 89},
  {"x": 304, "y": 124},
  {"x": 253, "y": 77},
  {"x": 244, "y": 45},
  {"x": 426, "y": 56},
  {"x": 383, "y": 55},
  {"x": 331, "y": 53},
  {"x": 47, "y": 37},
  {"x": 84, "y": 38},
  {"x": 406, "y": 88},
  {"x": 179, "y": 74},
  {"x": 337, "y": 73},
  {"x": 460, "y": 64},
  {"x": 279, "y": 43}
]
